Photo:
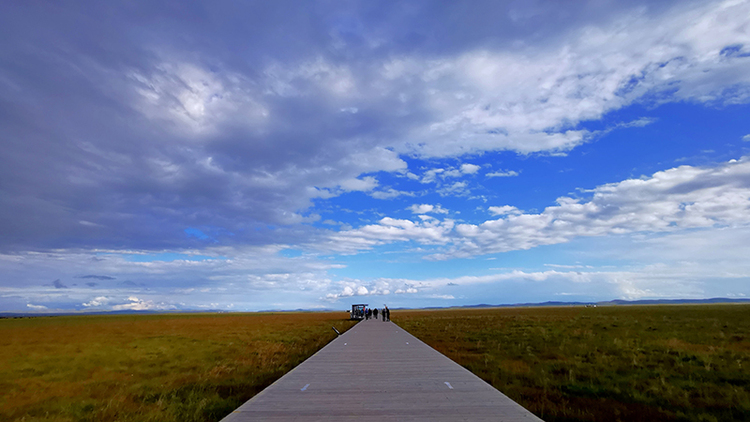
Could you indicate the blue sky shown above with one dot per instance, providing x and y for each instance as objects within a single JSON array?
[{"x": 288, "y": 155}]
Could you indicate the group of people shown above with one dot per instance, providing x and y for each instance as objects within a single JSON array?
[{"x": 373, "y": 313}]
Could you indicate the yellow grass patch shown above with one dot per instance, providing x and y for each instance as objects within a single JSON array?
[{"x": 150, "y": 367}]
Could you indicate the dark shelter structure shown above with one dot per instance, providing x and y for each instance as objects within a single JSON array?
[{"x": 358, "y": 311}]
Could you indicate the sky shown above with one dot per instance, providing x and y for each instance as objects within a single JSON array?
[{"x": 247, "y": 156}]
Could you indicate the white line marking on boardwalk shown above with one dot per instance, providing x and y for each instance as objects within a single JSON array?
[
  {"x": 407, "y": 342},
  {"x": 307, "y": 385},
  {"x": 344, "y": 344},
  {"x": 449, "y": 385}
]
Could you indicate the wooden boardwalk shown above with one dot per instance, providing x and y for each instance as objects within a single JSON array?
[{"x": 376, "y": 371}]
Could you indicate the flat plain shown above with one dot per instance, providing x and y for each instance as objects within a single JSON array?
[
  {"x": 169, "y": 367},
  {"x": 619, "y": 363},
  {"x": 624, "y": 363}
]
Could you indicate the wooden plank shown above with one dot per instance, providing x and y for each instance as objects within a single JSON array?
[{"x": 376, "y": 371}]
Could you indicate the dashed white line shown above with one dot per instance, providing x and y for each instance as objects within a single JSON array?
[
  {"x": 305, "y": 387},
  {"x": 449, "y": 385}
]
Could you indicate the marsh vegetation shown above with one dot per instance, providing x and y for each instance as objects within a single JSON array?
[
  {"x": 628, "y": 363},
  {"x": 187, "y": 367}
]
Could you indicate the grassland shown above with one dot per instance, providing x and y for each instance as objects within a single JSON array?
[
  {"x": 185, "y": 367},
  {"x": 633, "y": 363}
]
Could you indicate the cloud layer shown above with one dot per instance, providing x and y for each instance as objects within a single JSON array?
[
  {"x": 156, "y": 151},
  {"x": 144, "y": 134},
  {"x": 680, "y": 198}
]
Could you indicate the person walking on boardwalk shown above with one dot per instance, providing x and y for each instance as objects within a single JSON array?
[
  {"x": 375, "y": 313},
  {"x": 383, "y": 312},
  {"x": 387, "y": 313}
]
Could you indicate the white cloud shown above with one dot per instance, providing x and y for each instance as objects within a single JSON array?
[
  {"x": 504, "y": 210},
  {"x": 421, "y": 208},
  {"x": 388, "y": 230},
  {"x": 674, "y": 279},
  {"x": 374, "y": 159},
  {"x": 680, "y": 198},
  {"x": 455, "y": 189},
  {"x": 641, "y": 122},
  {"x": 501, "y": 173},
  {"x": 224, "y": 275},
  {"x": 746, "y": 138},
  {"x": 96, "y": 302},
  {"x": 353, "y": 288},
  {"x": 530, "y": 100},
  {"x": 36, "y": 307},
  {"x": 411, "y": 176},
  {"x": 430, "y": 176},
  {"x": 435, "y": 174},
  {"x": 447, "y": 297},
  {"x": 135, "y": 304},
  {"x": 469, "y": 168},
  {"x": 427, "y": 208},
  {"x": 409, "y": 290},
  {"x": 365, "y": 184}
]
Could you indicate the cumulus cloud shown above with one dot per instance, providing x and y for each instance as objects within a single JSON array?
[
  {"x": 349, "y": 289},
  {"x": 746, "y": 138},
  {"x": 680, "y": 198},
  {"x": 454, "y": 189},
  {"x": 36, "y": 307},
  {"x": 385, "y": 287},
  {"x": 427, "y": 208},
  {"x": 135, "y": 304},
  {"x": 431, "y": 176},
  {"x": 469, "y": 168},
  {"x": 436, "y": 175},
  {"x": 388, "y": 230},
  {"x": 504, "y": 210},
  {"x": 684, "y": 197},
  {"x": 96, "y": 302}
]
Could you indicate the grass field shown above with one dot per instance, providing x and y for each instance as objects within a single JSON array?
[
  {"x": 181, "y": 367},
  {"x": 629, "y": 363}
]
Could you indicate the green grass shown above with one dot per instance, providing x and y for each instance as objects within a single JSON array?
[
  {"x": 630, "y": 363},
  {"x": 176, "y": 367}
]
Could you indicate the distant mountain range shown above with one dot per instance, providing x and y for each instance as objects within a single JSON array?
[{"x": 617, "y": 302}]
